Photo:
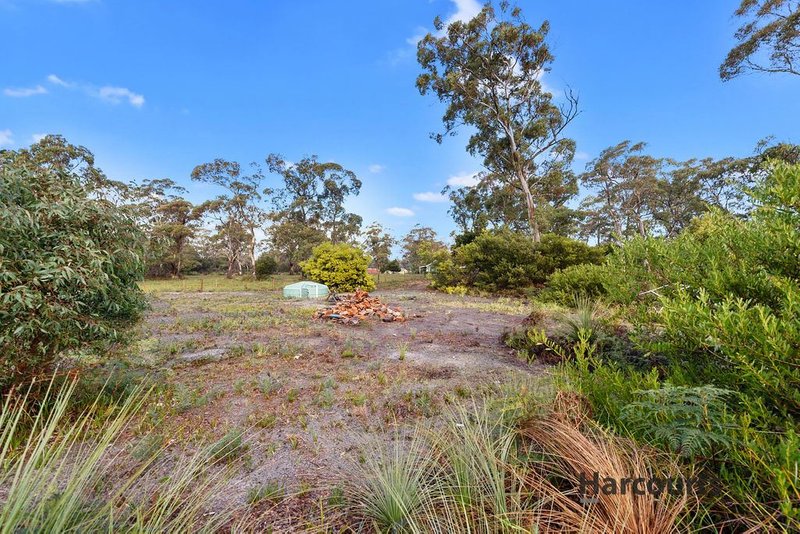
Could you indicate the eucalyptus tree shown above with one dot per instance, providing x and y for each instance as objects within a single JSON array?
[
  {"x": 421, "y": 246},
  {"x": 55, "y": 153},
  {"x": 69, "y": 263},
  {"x": 767, "y": 41},
  {"x": 624, "y": 181},
  {"x": 314, "y": 194},
  {"x": 378, "y": 243},
  {"x": 488, "y": 73},
  {"x": 174, "y": 221},
  {"x": 238, "y": 210}
]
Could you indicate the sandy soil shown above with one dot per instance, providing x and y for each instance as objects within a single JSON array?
[{"x": 313, "y": 396}]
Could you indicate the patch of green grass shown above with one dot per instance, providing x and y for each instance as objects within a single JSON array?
[
  {"x": 267, "y": 384},
  {"x": 357, "y": 398},
  {"x": 270, "y": 492},
  {"x": 325, "y": 398},
  {"x": 185, "y": 399},
  {"x": 266, "y": 421},
  {"x": 239, "y": 385},
  {"x": 215, "y": 283},
  {"x": 292, "y": 394},
  {"x": 229, "y": 447}
]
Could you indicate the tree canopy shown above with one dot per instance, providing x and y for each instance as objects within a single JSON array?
[
  {"x": 488, "y": 73},
  {"x": 768, "y": 40}
]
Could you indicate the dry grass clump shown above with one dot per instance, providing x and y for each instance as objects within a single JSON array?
[{"x": 478, "y": 472}]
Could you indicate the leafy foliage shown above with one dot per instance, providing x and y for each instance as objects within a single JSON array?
[
  {"x": 773, "y": 28},
  {"x": 266, "y": 265},
  {"x": 340, "y": 267},
  {"x": 690, "y": 421},
  {"x": 587, "y": 280},
  {"x": 718, "y": 304},
  {"x": 488, "y": 73},
  {"x": 422, "y": 247},
  {"x": 503, "y": 260},
  {"x": 69, "y": 263}
]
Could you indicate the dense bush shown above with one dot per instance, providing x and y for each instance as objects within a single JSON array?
[
  {"x": 69, "y": 266},
  {"x": 503, "y": 260},
  {"x": 340, "y": 267},
  {"x": 587, "y": 280},
  {"x": 720, "y": 305},
  {"x": 266, "y": 266},
  {"x": 393, "y": 266}
]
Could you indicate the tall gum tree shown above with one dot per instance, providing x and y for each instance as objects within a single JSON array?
[
  {"x": 488, "y": 71},
  {"x": 241, "y": 203},
  {"x": 768, "y": 40}
]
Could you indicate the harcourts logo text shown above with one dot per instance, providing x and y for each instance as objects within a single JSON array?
[{"x": 592, "y": 487}]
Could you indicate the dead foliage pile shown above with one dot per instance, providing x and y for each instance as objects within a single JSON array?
[{"x": 352, "y": 309}]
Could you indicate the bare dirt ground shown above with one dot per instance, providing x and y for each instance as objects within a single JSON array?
[{"x": 312, "y": 396}]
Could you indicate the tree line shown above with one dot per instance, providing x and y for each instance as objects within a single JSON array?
[{"x": 488, "y": 73}]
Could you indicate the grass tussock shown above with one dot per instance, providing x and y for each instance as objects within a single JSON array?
[
  {"x": 487, "y": 470},
  {"x": 66, "y": 472}
]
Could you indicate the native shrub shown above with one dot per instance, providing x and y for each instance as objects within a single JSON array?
[
  {"x": 340, "y": 267},
  {"x": 266, "y": 266},
  {"x": 69, "y": 266},
  {"x": 503, "y": 260}
]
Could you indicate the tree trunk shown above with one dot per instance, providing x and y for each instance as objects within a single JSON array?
[
  {"x": 253, "y": 250},
  {"x": 531, "y": 205}
]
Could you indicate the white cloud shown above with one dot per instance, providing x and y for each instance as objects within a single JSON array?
[
  {"x": 23, "y": 92},
  {"x": 35, "y": 138},
  {"x": 55, "y": 80},
  {"x": 375, "y": 168},
  {"x": 400, "y": 212},
  {"x": 464, "y": 180},
  {"x": 581, "y": 156},
  {"x": 6, "y": 137},
  {"x": 430, "y": 196},
  {"x": 465, "y": 10},
  {"x": 115, "y": 95}
]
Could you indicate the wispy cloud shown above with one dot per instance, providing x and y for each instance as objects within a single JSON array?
[
  {"x": 6, "y": 137},
  {"x": 24, "y": 92},
  {"x": 400, "y": 212},
  {"x": 465, "y": 10},
  {"x": 376, "y": 168},
  {"x": 581, "y": 156},
  {"x": 35, "y": 138},
  {"x": 464, "y": 180},
  {"x": 430, "y": 196},
  {"x": 55, "y": 80},
  {"x": 115, "y": 95},
  {"x": 107, "y": 93}
]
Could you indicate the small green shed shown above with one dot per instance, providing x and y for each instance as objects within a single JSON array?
[{"x": 305, "y": 290}]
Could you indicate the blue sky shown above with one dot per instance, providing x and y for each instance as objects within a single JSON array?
[{"x": 154, "y": 88}]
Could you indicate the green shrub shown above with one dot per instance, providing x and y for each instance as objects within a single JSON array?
[
  {"x": 266, "y": 266},
  {"x": 586, "y": 280},
  {"x": 69, "y": 266},
  {"x": 503, "y": 260},
  {"x": 721, "y": 309},
  {"x": 393, "y": 266},
  {"x": 340, "y": 267}
]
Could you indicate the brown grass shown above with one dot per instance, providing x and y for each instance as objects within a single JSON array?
[{"x": 568, "y": 452}]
